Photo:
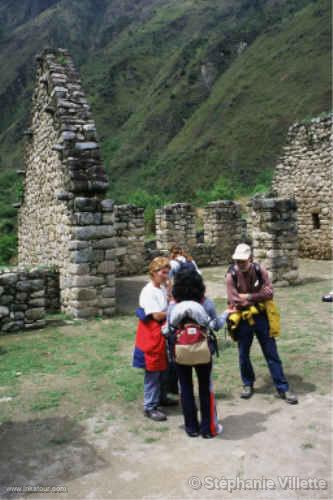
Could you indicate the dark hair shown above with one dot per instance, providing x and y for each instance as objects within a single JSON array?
[{"x": 188, "y": 285}]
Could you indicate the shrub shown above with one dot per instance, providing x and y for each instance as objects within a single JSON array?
[
  {"x": 223, "y": 189},
  {"x": 150, "y": 202},
  {"x": 8, "y": 248}
]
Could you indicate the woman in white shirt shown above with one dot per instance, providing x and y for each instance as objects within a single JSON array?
[{"x": 150, "y": 348}]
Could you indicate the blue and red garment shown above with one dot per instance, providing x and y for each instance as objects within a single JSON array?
[{"x": 150, "y": 348}]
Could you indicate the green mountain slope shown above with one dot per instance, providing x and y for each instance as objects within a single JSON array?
[
  {"x": 186, "y": 95},
  {"x": 188, "y": 131}
]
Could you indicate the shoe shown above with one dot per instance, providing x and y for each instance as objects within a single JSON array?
[
  {"x": 247, "y": 392},
  {"x": 207, "y": 435},
  {"x": 289, "y": 396},
  {"x": 155, "y": 414},
  {"x": 219, "y": 429},
  {"x": 193, "y": 434},
  {"x": 328, "y": 297},
  {"x": 168, "y": 402}
]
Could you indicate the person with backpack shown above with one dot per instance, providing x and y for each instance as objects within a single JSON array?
[
  {"x": 150, "y": 346},
  {"x": 250, "y": 293},
  {"x": 191, "y": 345},
  {"x": 180, "y": 261}
]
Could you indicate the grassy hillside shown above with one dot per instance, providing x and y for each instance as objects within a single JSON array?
[
  {"x": 235, "y": 124},
  {"x": 192, "y": 99}
]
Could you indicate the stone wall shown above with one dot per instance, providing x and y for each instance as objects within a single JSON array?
[
  {"x": 175, "y": 224},
  {"x": 275, "y": 242},
  {"x": 64, "y": 220},
  {"x": 22, "y": 299},
  {"x": 130, "y": 233},
  {"x": 224, "y": 227},
  {"x": 305, "y": 174}
]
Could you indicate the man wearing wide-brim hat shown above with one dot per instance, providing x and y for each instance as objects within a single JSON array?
[{"x": 249, "y": 289}]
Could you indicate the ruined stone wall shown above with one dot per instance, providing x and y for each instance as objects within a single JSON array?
[
  {"x": 275, "y": 241},
  {"x": 224, "y": 227},
  {"x": 22, "y": 300},
  {"x": 305, "y": 173},
  {"x": 175, "y": 224},
  {"x": 64, "y": 220},
  {"x": 130, "y": 234}
]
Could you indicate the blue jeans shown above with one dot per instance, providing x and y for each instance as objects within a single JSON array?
[
  {"x": 152, "y": 393},
  {"x": 245, "y": 333}
]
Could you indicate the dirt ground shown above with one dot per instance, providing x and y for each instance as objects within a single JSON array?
[{"x": 123, "y": 455}]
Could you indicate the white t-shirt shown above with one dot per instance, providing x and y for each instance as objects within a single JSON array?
[{"x": 153, "y": 299}]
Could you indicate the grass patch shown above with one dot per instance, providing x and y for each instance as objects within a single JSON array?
[
  {"x": 47, "y": 400},
  {"x": 149, "y": 440}
]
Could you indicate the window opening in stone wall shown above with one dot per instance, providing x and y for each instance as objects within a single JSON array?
[{"x": 315, "y": 221}]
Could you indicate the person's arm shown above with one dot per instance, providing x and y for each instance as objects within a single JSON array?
[
  {"x": 265, "y": 292},
  {"x": 160, "y": 316},
  {"x": 216, "y": 321},
  {"x": 234, "y": 298},
  {"x": 151, "y": 305}
]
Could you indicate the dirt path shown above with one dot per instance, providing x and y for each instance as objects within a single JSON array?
[{"x": 264, "y": 438}]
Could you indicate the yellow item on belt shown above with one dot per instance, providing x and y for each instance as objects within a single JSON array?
[{"x": 268, "y": 306}]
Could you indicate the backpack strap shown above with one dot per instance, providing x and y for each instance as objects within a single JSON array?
[
  {"x": 257, "y": 268},
  {"x": 232, "y": 271}
]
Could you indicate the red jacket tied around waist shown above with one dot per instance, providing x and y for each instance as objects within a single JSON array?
[{"x": 150, "y": 349}]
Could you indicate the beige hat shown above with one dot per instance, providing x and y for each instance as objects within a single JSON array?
[{"x": 242, "y": 252}]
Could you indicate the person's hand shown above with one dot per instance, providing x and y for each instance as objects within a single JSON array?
[
  {"x": 231, "y": 309},
  {"x": 243, "y": 296}
]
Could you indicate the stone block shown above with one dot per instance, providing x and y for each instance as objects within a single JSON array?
[
  {"x": 35, "y": 313},
  {"x": 4, "y": 311},
  {"x": 109, "y": 292},
  {"x": 37, "y": 302},
  {"x": 8, "y": 279},
  {"x": 86, "y": 281},
  {"x": 106, "y": 267},
  {"x": 92, "y": 232},
  {"x": 80, "y": 294}
]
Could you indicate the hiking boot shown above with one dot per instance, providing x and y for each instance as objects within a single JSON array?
[
  {"x": 192, "y": 434},
  {"x": 289, "y": 396},
  {"x": 247, "y": 392},
  {"x": 328, "y": 297},
  {"x": 155, "y": 414},
  {"x": 207, "y": 435}
]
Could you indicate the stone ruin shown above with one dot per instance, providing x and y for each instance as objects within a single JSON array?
[
  {"x": 73, "y": 240},
  {"x": 64, "y": 220},
  {"x": 223, "y": 229},
  {"x": 305, "y": 174}
]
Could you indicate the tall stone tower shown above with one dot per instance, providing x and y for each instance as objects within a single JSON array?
[{"x": 64, "y": 220}]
